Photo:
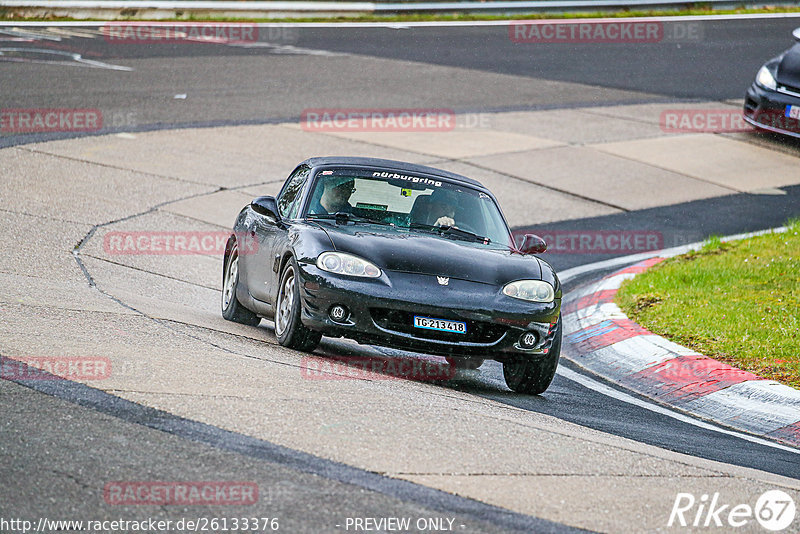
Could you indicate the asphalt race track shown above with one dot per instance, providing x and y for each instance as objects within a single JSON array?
[
  {"x": 568, "y": 137},
  {"x": 293, "y": 69}
]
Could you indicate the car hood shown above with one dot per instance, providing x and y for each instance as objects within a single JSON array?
[
  {"x": 420, "y": 253},
  {"x": 788, "y": 70}
]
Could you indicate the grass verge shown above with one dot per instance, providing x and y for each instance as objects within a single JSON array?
[
  {"x": 10, "y": 15},
  {"x": 737, "y": 302}
]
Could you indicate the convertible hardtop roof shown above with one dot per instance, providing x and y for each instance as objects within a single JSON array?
[{"x": 390, "y": 165}]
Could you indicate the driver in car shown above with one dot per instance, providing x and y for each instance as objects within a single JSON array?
[
  {"x": 443, "y": 207},
  {"x": 447, "y": 214},
  {"x": 335, "y": 197}
]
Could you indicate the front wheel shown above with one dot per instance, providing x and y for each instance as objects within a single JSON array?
[
  {"x": 533, "y": 376},
  {"x": 289, "y": 330}
]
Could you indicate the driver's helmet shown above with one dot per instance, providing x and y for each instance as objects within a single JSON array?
[{"x": 444, "y": 202}]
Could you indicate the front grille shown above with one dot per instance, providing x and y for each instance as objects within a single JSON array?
[
  {"x": 795, "y": 90},
  {"x": 403, "y": 322}
]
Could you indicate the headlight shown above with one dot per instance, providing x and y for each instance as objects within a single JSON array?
[
  {"x": 340, "y": 263},
  {"x": 533, "y": 290},
  {"x": 765, "y": 79}
]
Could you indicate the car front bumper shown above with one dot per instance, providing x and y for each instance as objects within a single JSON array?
[
  {"x": 766, "y": 109},
  {"x": 381, "y": 311}
]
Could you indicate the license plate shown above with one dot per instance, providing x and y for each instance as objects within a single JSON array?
[
  {"x": 443, "y": 325},
  {"x": 793, "y": 112}
]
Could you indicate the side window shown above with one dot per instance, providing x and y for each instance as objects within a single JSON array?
[{"x": 289, "y": 199}]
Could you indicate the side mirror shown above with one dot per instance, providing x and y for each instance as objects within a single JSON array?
[
  {"x": 266, "y": 206},
  {"x": 532, "y": 244},
  {"x": 796, "y": 34}
]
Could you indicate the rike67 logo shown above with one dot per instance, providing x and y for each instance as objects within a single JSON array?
[{"x": 774, "y": 510}]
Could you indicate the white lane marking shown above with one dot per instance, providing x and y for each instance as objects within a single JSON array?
[
  {"x": 85, "y": 33},
  {"x": 285, "y": 49},
  {"x": 69, "y": 58},
  {"x": 585, "y": 381},
  {"x": 433, "y": 24},
  {"x": 768, "y": 190},
  {"x": 753, "y": 405},
  {"x": 33, "y": 35}
]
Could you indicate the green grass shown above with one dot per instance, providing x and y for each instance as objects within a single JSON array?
[
  {"x": 737, "y": 302},
  {"x": 9, "y": 16}
]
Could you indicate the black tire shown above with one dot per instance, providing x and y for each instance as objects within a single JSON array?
[
  {"x": 289, "y": 329},
  {"x": 464, "y": 362},
  {"x": 232, "y": 309},
  {"x": 533, "y": 376}
]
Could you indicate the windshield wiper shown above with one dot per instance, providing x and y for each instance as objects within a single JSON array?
[
  {"x": 342, "y": 217},
  {"x": 464, "y": 234},
  {"x": 320, "y": 216},
  {"x": 426, "y": 227},
  {"x": 451, "y": 231}
]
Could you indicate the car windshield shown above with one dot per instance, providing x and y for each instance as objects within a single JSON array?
[{"x": 401, "y": 202}]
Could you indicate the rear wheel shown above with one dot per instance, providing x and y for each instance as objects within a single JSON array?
[
  {"x": 232, "y": 309},
  {"x": 289, "y": 330},
  {"x": 533, "y": 376}
]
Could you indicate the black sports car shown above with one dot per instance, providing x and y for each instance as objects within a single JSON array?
[
  {"x": 397, "y": 255},
  {"x": 773, "y": 101}
]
